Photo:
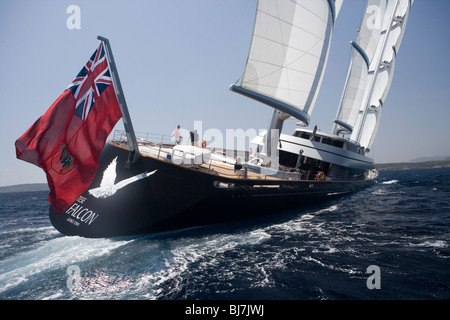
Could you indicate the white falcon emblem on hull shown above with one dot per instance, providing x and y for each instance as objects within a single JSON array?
[{"x": 108, "y": 187}]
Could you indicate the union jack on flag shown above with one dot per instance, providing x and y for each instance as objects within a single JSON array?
[{"x": 90, "y": 82}]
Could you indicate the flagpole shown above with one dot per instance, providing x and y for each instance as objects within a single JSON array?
[{"x": 131, "y": 136}]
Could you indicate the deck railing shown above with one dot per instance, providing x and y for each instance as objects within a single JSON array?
[
  {"x": 144, "y": 138},
  {"x": 162, "y": 146}
]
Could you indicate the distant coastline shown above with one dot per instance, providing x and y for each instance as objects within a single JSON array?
[
  {"x": 413, "y": 165},
  {"x": 25, "y": 188}
]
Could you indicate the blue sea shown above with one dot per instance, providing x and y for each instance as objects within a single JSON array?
[{"x": 390, "y": 241}]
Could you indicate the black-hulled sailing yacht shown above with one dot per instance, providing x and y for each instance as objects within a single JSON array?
[{"x": 147, "y": 185}]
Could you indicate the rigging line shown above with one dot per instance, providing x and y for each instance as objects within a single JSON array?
[
  {"x": 297, "y": 49},
  {"x": 293, "y": 25},
  {"x": 287, "y": 89},
  {"x": 309, "y": 11},
  {"x": 277, "y": 87},
  {"x": 278, "y": 69},
  {"x": 363, "y": 13}
]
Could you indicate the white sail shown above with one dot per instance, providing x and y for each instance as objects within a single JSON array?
[
  {"x": 364, "y": 50},
  {"x": 288, "y": 54},
  {"x": 381, "y": 71}
]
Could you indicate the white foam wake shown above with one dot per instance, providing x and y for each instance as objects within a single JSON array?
[
  {"x": 52, "y": 254},
  {"x": 390, "y": 182}
]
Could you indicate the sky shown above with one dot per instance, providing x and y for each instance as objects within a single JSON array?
[{"x": 176, "y": 60}]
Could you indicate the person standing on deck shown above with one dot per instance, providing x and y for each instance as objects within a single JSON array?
[
  {"x": 177, "y": 135},
  {"x": 195, "y": 138},
  {"x": 191, "y": 133}
]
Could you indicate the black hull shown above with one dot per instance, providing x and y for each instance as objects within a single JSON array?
[{"x": 175, "y": 197}]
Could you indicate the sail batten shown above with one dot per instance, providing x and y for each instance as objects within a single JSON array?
[
  {"x": 362, "y": 53},
  {"x": 288, "y": 54}
]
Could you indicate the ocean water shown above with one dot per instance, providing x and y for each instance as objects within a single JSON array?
[{"x": 390, "y": 241}]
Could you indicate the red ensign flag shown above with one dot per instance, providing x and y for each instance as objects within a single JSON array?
[{"x": 67, "y": 140}]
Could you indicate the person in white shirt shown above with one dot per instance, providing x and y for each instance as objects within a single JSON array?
[{"x": 177, "y": 135}]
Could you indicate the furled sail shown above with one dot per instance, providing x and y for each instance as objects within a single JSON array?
[
  {"x": 288, "y": 54},
  {"x": 381, "y": 71}
]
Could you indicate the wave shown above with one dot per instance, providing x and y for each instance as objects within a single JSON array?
[
  {"x": 46, "y": 229},
  {"x": 167, "y": 267},
  {"x": 208, "y": 255},
  {"x": 158, "y": 266},
  {"x": 435, "y": 244},
  {"x": 326, "y": 247},
  {"x": 390, "y": 182},
  {"x": 51, "y": 255},
  {"x": 381, "y": 192}
]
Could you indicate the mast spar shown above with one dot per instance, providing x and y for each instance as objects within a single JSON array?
[
  {"x": 371, "y": 70},
  {"x": 379, "y": 65},
  {"x": 131, "y": 136}
]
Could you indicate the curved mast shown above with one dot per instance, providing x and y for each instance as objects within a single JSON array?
[
  {"x": 364, "y": 50},
  {"x": 381, "y": 71}
]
